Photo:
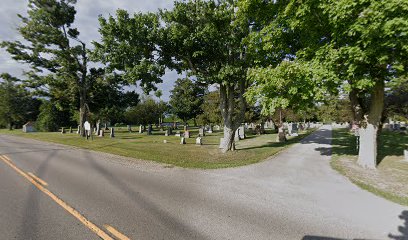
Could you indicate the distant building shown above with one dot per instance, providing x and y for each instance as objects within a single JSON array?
[{"x": 28, "y": 127}]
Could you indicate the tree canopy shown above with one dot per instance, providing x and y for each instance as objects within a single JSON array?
[{"x": 186, "y": 99}]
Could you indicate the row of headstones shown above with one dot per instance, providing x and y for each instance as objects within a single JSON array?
[
  {"x": 341, "y": 125},
  {"x": 239, "y": 135},
  {"x": 398, "y": 126},
  {"x": 169, "y": 130},
  {"x": 97, "y": 130},
  {"x": 395, "y": 126},
  {"x": 186, "y": 134},
  {"x": 289, "y": 126}
]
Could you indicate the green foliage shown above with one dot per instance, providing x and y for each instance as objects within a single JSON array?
[
  {"x": 146, "y": 112},
  {"x": 368, "y": 41},
  {"x": 291, "y": 84},
  {"x": 16, "y": 104},
  {"x": 108, "y": 99},
  {"x": 335, "y": 110},
  {"x": 396, "y": 101},
  {"x": 202, "y": 37},
  {"x": 211, "y": 113},
  {"x": 51, "y": 118},
  {"x": 54, "y": 63},
  {"x": 57, "y": 58},
  {"x": 186, "y": 99},
  {"x": 129, "y": 47}
]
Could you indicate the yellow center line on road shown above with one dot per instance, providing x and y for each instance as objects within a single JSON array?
[
  {"x": 116, "y": 233},
  {"x": 60, "y": 202},
  {"x": 39, "y": 180}
]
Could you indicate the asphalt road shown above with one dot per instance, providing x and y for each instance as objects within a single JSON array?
[{"x": 294, "y": 195}]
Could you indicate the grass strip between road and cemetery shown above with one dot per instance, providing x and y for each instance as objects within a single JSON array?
[
  {"x": 253, "y": 149},
  {"x": 389, "y": 179}
]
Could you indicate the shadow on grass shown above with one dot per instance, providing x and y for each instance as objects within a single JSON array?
[
  {"x": 345, "y": 143},
  {"x": 277, "y": 144}
]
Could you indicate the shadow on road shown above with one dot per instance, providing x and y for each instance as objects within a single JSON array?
[
  {"x": 30, "y": 223},
  {"x": 149, "y": 206},
  {"x": 402, "y": 229}
]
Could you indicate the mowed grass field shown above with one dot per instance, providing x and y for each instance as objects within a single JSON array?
[
  {"x": 390, "y": 178},
  {"x": 152, "y": 147}
]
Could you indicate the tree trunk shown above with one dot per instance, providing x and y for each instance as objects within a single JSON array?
[
  {"x": 367, "y": 155},
  {"x": 281, "y": 131},
  {"x": 83, "y": 91},
  {"x": 356, "y": 106},
  {"x": 83, "y": 111},
  {"x": 231, "y": 115},
  {"x": 228, "y": 143}
]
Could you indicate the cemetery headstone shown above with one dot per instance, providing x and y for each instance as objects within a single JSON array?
[
  {"x": 406, "y": 155},
  {"x": 290, "y": 128},
  {"x": 149, "y": 129},
  {"x": 70, "y": 130},
  {"x": 199, "y": 141},
  {"x": 112, "y": 132},
  {"x": 201, "y": 132},
  {"x": 236, "y": 137},
  {"x": 101, "y": 133},
  {"x": 258, "y": 130},
  {"x": 221, "y": 143},
  {"x": 266, "y": 125},
  {"x": 79, "y": 129},
  {"x": 281, "y": 135},
  {"x": 98, "y": 127},
  {"x": 182, "y": 140},
  {"x": 177, "y": 134},
  {"x": 63, "y": 131},
  {"x": 210, "y": 129},
  {"x": 87, "y": 127},
  {"x": 241, "y": 132},
  {"x": 294, "y": 128},
  {"x": 129, "y": 128},
  {"x": 141, "y": 129},
  {"x": 262, "y": 129}
]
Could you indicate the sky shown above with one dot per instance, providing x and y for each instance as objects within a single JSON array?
[{"x": 87, "y": 23}]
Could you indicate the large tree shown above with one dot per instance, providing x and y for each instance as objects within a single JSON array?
[
  {"x": 291, "y": 85},
  {"x": 367, "y": 49},
  {"x": 186, "y": 99},
  {"x": 361, "y": 45},
  {"x": 204, "y": 39},
  {"x": 57, "y": 58}
]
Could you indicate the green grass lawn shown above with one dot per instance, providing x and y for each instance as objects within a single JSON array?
[
  {"x": 390, "y": 178},
  {"x": 140, "y": 146}
]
